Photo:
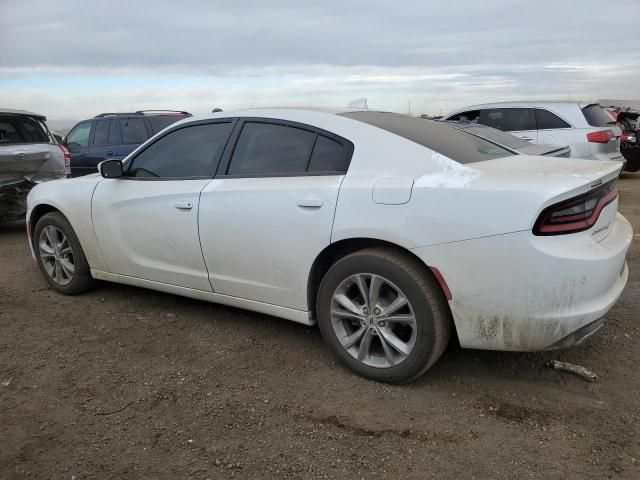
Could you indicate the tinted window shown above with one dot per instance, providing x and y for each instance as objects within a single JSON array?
[
  {"x": 133, "y": 130},
  {"x": 79, "y": 136},
  {"x": 113, "y": 133},
  {"x": 160, "y": 122},
  {"x": 101, "y": 133},
  {"x": 266, "y": 148},
  {"x": 470, "y": 116},
  {"x": 596, "y": 116},
  {"x": 546, "y": 120},
  {"x": 21, "y": 130},
  {"x": 188, "y": 152},
  {"x": 509, "y": 119},
  {"x": 437, "y": 136},
  {"x": 328, "y": 156}
]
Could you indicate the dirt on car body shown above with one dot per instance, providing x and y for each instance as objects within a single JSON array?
[{"x": 129, "y": 383}]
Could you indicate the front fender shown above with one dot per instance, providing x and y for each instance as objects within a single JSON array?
[{"x": 73, "y": 198}]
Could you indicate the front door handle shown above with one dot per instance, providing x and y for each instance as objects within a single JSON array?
[
  {"x": 309, "y": 202},
  {"x": 183, "y": 205}
]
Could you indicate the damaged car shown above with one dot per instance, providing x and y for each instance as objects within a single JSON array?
[
  {"x": 29, "y": 154},
  {"x": 629, "y": 122},
  {"x": 392, "y": 233}
]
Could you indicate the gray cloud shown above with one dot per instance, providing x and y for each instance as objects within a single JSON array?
[{"x": 443, "y": 54}]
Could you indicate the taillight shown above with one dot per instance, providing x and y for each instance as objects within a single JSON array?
[
  {"x": 576, "y": 214},
  {"x": 601, "y": 136},
  {"x": 67, "y": 156}
]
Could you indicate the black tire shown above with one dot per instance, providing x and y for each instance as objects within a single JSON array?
[
  {"x": 433, "y": 319},
  {"x": 81, "y": 279}
]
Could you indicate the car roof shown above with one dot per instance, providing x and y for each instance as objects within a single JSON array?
[
  {"x": 26, "y": 113},
  {"x": 525, "y": 103},
  {"x": 282, "y": 113}
]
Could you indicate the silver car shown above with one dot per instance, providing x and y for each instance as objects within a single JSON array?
[
  {"x": 586, "y": 127},
  {"x": 29, "y": 154}
]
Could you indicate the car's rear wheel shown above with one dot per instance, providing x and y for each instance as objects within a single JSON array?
[
  {"x": 383, "y": 315},
  {"x": 60, "y": 256}
]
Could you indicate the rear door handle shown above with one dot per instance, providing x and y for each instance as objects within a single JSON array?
[
  {"x": 183, "y": 205},
  {"x": 109, "y": 154},
  {"x": 309, "y": 202}
]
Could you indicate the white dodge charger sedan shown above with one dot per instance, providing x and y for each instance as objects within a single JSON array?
[{"x": 391, "y": 232}]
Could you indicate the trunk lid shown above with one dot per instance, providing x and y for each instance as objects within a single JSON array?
[{"x": 549, "y": 180}]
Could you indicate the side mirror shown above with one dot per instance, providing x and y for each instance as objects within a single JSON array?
[{"x": 111, "y": 169}]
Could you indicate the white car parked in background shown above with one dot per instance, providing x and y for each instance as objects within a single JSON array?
[
  {"x": 388, "y": 230},
  {"x": 585, "y": 127}
]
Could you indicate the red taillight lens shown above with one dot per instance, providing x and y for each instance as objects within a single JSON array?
[
  {"x": 67, "y": 155},
  {"x": 601, "y": 136},
  {"x": 576, "y": 214}
]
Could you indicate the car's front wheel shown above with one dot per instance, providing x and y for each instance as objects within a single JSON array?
[
  {"x": 383, "y": 315},
  {"x": 60, "y": 256}
]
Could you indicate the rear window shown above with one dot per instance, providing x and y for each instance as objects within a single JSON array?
[
  {"x": 450, "y": 142},
  {"x": 15, "y": 130},
  {"x": 596, "y": 116},
  {"x": 160, "y": 122}
]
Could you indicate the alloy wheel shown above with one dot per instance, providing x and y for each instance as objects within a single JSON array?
[
  {"x": 373, "y": 320},
  {"x": 56, "y": 254}
]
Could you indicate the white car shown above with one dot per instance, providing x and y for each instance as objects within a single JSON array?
[
  {"x": 389, "y": 231},
  {"x": 585, "y": 127}
]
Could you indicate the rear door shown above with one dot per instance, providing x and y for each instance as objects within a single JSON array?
[
  {"x": 77, "y": 142},
  {"x": 270, "y": 209},
  {"x": 552, "y": 130},
  {"x": 517, "y": 121},
  {"x": 133, "y": 132}
]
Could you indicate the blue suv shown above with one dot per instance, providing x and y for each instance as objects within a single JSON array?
[{"x": 114, "y": 136}]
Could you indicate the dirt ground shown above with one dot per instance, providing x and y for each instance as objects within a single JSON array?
[{"x": 128, "y": 383}]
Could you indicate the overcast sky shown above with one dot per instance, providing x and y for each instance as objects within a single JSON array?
[{"x": 73, "y": 59}]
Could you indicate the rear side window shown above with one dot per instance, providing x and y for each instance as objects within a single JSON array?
[
  {"x": 101, "y": 134},
  {"x": 133, "y": 130},
  {"x": 596, "y": 116},
  {"x": 509, "y": 119},
  {"x": 437, "y": 136},
  {"x": 545, "y": 120},
  {"x": 266, "y": 148},
  {"x": 21, "y": 130},
  {"x": 162, "y": 121},
  {"x": 328, "y": 156},
  {"x": 192, "y": 151}
]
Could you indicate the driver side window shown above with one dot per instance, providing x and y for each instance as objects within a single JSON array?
[
  {"x": 79, "y": 136},
  {"x": 191, "y": 151}
]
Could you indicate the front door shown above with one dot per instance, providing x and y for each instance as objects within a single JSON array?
[
  {"x": 147, "y": 222},
  {"x": 269, "y": 213},
  {"x": 77, "y": 142}
]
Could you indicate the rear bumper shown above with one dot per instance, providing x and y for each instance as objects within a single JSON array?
[{"x": 520, "y": 292}]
